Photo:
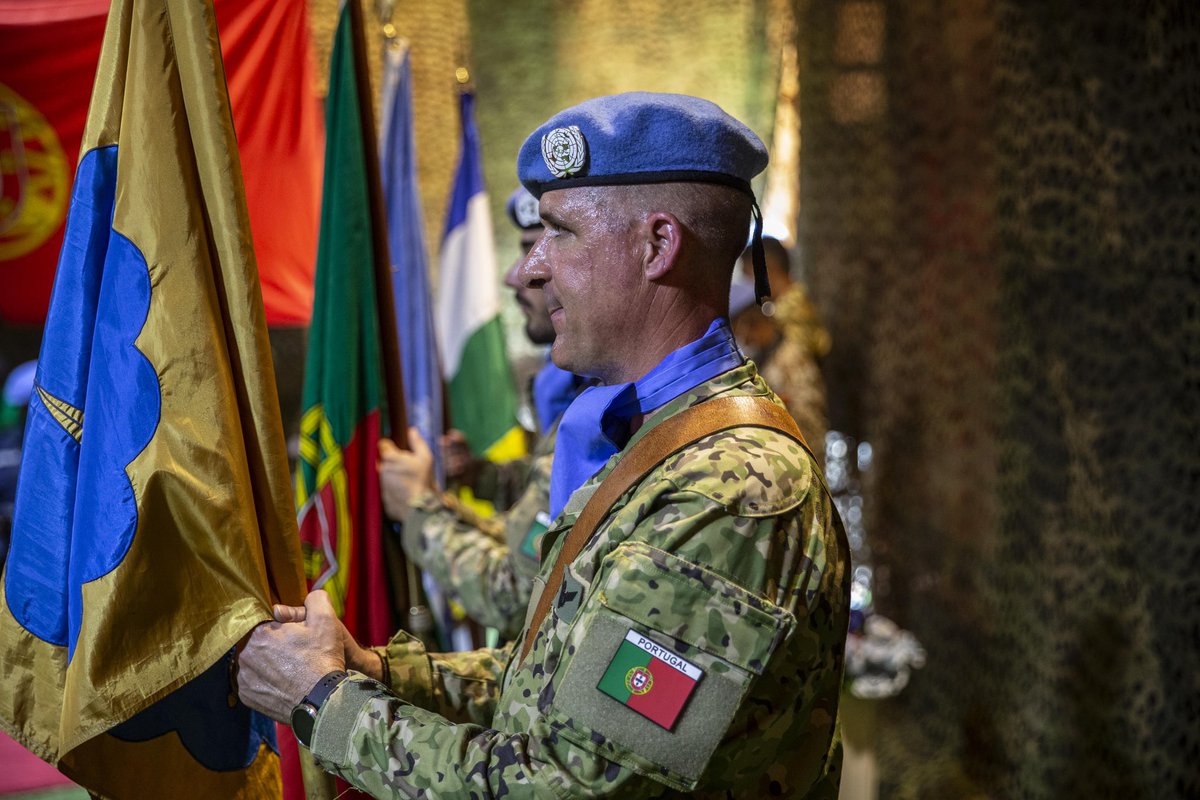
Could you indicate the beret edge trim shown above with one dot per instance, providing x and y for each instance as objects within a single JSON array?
[{"x": 538, "y": 188}]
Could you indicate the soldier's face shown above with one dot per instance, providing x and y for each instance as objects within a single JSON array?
[
  {"x": 587, "y": 264},
  {"x": 532, "y": 302}
]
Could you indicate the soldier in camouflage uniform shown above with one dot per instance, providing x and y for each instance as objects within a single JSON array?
[
  {"x": 488, "y": 564},
  {"x": 695, "y": 645}
]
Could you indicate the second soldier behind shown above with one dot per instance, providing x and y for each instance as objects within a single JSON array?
[{"x": 488, "y": 563}]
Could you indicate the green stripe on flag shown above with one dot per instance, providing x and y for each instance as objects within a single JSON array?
[
  {"x": 628, "y": 656},
  {"x": 483, "y": 402},
  {"x": 343, "y": 397}
]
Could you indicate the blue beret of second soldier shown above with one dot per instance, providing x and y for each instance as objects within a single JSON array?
[
  {"x": 522, "y": 209},
  {"x": 640, "y": 137}
]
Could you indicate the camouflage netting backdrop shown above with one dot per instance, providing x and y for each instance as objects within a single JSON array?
[{"x": 1000, "y": 218}]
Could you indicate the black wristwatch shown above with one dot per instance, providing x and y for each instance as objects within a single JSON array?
[{"x": 304, "y": 715}]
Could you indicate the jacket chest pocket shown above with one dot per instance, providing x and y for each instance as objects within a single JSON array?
[{"x": 658, "y": 662}]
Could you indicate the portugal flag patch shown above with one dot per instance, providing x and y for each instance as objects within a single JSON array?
[{"x": 650, "y": 679}]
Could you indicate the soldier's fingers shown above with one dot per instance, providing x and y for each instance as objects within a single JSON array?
[
  {"x": 284, "y": 613},
  {"x": 317, "y": 604},
  {"x": 417, "y": 442}
]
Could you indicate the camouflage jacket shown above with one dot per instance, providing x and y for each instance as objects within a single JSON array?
[
  {"x": 488, "y": 564},
  {"x": 727, "y": 561}
]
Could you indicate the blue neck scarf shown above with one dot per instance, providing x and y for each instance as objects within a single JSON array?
[
  {"x": 553, "y": 390},
  {"x": 595, "y": 426}
]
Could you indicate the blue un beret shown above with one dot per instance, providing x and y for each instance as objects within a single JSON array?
[
  {"x": 523, "y": 209},
  {"x": 640, "y": 137}
]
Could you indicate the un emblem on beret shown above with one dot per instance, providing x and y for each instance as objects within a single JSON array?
[{"x": 564, "y": 150}]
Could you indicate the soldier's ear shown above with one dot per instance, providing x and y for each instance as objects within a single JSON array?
[{"x": 664, "y": 239}]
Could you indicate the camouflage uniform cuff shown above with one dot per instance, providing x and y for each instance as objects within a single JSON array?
[
  {"x": 385, "y": 667},
  {"x": 428, "y": 500},
  {"x": 338, "y": 717},
  {"x": 407, "y": 670}
]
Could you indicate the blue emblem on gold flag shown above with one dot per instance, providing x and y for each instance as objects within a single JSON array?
[
  {"x": 100, "y": 305},
  {"x": 153, "y": 524}
]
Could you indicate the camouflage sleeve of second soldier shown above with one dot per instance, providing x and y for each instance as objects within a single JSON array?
[
  {"x": 468, "y": 556},
  {"x": 462, "y": 687}
]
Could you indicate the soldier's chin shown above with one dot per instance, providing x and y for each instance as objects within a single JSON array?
[
  {"x": 579, "y": 364},
  {"x": 560, "y": 356}
]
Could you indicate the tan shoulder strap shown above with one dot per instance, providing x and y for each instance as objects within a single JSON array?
[{"x": 659, "y": 443}]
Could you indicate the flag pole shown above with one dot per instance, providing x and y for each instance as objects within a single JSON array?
[
  {"x": 420, "y": 621},
  {"x": 384, "y": 304}
]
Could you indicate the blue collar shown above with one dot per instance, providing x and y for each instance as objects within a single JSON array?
[
  {"x": 553, "y": 390},
  {"x": 595, "y": 427}
]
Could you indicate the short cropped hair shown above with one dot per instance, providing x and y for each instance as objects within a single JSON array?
[{"x": 717, "y": 216}]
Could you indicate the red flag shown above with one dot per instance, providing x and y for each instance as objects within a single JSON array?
[
  {"x": 47, "y": 67},
  {"x": 281, "y": 140},
  {"x": 46, "y": 75}
]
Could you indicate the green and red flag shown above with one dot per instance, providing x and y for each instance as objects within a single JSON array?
[
  {"x": 650, "y": 679},
  {"x": 353, "y": 387},
  {"x": 337, "y": 483}
]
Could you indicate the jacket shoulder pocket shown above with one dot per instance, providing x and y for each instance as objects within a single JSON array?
[{"x": 658, "y": 663}]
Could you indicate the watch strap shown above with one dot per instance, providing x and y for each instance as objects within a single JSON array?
[
  {"x": 304, "y": 714},
  {"x": 320, "y": 693}
]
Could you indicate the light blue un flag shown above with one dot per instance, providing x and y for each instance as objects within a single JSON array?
[{"x": 406, "y": 241}]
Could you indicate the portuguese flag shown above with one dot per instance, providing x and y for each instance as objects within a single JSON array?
[
  {"x": 337, "y": 484},
  {"x": 650, "y": 679}
]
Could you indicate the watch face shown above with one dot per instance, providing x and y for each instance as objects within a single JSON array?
[{"x": 304, "y": 717}]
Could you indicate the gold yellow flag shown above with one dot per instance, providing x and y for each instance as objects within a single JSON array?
[{"x": 154, "y": 523}]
